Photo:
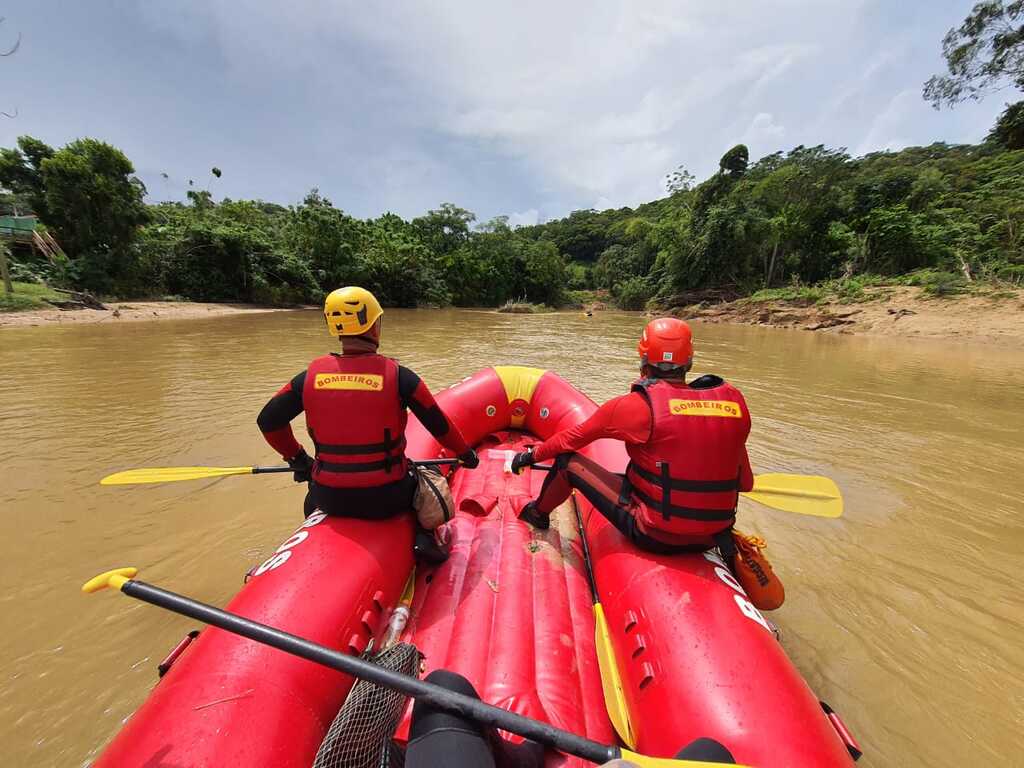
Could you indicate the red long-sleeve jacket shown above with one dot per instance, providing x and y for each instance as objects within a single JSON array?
[{"x": 626, "y": 418}]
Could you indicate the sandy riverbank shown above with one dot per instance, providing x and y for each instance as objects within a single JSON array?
[
  {"x": 129, "y": 312},
  {"x": 891, "y": 311},
  {"x": 996, "y": 318}
]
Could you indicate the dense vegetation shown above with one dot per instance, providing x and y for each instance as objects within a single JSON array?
[
  {"x": 256, "y": 251},
  {"x": 792, "y": 218}
]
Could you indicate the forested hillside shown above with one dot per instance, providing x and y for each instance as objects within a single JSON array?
[{"x": 802, "y": 216}]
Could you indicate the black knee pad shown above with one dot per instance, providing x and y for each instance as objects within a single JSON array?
[
  {"x": 708, "y": 750},
  {"x": 453, "y": 681},
  {"x": 426, "y": 717}
]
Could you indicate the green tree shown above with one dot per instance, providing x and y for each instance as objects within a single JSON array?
[
  {"x": 735, "y": 161},
  {"x": 544, "y": 271},
  {"x": 632, "y": 294},
  {"x": 445, "y": 229},
  {"x": 680, "y": 180},
  {"x": 900, "y": 241},
  {"x": 1008, "y": 131},
  {"x": 231, "y": 252},
  {"x": 984, "y": 53},
  {"x": 620, "y": 262},
  {"x": 399, "y": 268},
  {"x": 486, "y": 270},
  {"x": 95, "y": 203},
  {"x": 21, "y": 173},
  {"x": 328, "y": 239}
]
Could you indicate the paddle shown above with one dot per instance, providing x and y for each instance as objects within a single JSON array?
[
  {"x": 801, "y": 494},
  {"x": 174, "y": 474},
  {"x": 611, "y": 680},
  {"x": 123, "y": 579}
]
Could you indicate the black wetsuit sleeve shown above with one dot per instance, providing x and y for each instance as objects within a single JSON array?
[
  {"x": 282, "y": 407},
  {"x": 417, "y": 398}
]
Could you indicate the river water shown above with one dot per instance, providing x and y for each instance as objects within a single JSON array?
[{"x": 904, "y": 614}]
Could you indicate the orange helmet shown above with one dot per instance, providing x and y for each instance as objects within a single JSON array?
[{"x": 667, "y": 343}]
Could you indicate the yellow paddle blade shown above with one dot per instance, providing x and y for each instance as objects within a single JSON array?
[
  {"x": 802, "y": 494},
  {"x": 668, "y": 762},
  {"x": 171, "y": 474},
  {"x": 611, "y": 681}
]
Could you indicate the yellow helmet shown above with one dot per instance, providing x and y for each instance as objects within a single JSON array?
[{"x": 351, "y": 311}]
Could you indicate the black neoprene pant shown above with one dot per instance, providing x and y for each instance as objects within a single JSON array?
[
  {"x": 603, "y": 489},
  {"x": 378, "y": 502},
  {"x": 437, "y": 738}
]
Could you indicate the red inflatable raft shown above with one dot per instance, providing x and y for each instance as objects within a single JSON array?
[{"x": 510, "y": 610}]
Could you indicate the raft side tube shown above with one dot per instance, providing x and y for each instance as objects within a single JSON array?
[{"x": 230, "y": 701}]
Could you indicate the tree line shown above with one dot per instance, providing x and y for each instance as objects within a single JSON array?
[{"x": 802, "y": 216}]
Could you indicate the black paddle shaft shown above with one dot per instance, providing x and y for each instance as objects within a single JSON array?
[
  {"x": 439, "y": 697},
  {"x": 419, "y": 463},
  {"x": 587, "y": 562},
  {"x": 424, "y": 463}
]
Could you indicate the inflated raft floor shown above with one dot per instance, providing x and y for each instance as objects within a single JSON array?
[{"x": 511, "y": 608}]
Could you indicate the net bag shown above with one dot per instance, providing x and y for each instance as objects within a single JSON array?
[{"x": 361, "y": 734}]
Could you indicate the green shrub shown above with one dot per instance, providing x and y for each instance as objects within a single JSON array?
[
  {"x": 804, "y": 294},
  {"x": 1012, "y": 273},
  {"x": 935, "y": 282},
  {"x": 522, "y": 307},
  {"x": 632, "y": 294}
]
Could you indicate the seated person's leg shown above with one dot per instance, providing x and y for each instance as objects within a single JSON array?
[
  {"x": 438, "y": 738},
  {"x": 708, "y": 750}
]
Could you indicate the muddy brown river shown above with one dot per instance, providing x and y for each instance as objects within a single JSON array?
[{"x": 905, "y": 614}]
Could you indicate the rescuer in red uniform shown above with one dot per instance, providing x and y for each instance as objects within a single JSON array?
[
  {"x": 687, "y": 450},
  {"x": 355, "y": 404}
]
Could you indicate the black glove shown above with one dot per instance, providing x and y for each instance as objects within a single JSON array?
[
  {"x": 522, "y": 460},
  {"x": 303, "y": 466},
  {"x": 469, "y": 459}
]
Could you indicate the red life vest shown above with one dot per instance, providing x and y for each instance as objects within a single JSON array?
[
  {"x": 355, "y": 416},
  {"x": 685, "y": 478}
]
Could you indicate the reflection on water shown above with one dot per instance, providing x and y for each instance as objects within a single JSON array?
[{"x": 904, "y": 614}]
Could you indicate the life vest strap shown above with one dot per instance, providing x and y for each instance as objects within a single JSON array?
[
  {"x": 362, "y": 466},
  {"x": 353, "y": 449},
  {"x": 690, "y": 486},
  {"x": 690, "y": 513}
]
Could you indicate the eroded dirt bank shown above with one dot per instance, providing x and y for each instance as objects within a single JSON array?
[{"x": 899, "y": 311}]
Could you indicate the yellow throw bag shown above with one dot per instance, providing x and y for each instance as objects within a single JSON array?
[{"x": 433, "y": 500}]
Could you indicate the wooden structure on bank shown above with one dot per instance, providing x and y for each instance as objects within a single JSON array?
[{"x": 22, "y": 230}]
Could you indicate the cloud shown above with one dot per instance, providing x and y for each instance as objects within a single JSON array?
[
  {"x": 532, "y": 107},
  {"x": 524, "y": 218},
  {"x": 883, "y": 131},
  {"x": 763, "y": 134}
]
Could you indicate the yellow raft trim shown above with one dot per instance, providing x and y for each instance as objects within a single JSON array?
[{"x": 519, "y": 382}]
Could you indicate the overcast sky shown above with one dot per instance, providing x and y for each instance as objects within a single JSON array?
[{"x": 531, "y": 109}]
